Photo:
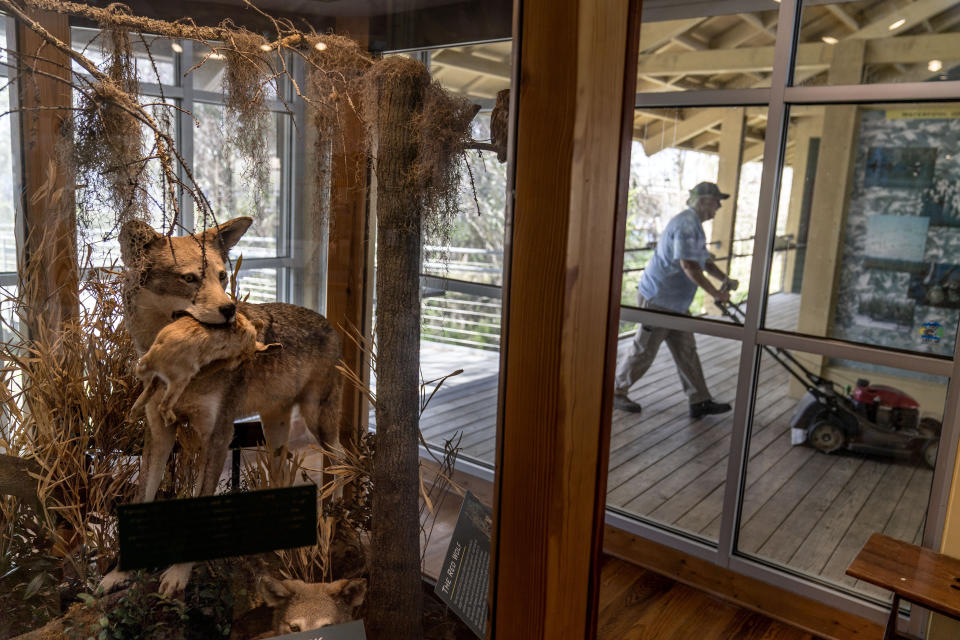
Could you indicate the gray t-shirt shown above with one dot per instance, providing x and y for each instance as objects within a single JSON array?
[{"x": 664, "y": 283}]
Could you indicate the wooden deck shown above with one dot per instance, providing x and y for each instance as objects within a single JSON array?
[{"x": 801, "y": 508}]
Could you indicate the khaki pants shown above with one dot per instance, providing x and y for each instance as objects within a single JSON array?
[{"x": 643, "y": 350}]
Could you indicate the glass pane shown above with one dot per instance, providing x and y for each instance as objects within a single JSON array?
[
  {"x": 160, "y": 70},
  {"x": 460, "y": 331},
  {"x": 873, "y": 195},
  {"x": 259, "y": 284},
  {"x": 711, "y": 46},
  {"x": 676, "y": 151},
  {"x": 209, "y": 68},
  {"x": 96, "y": 216},
  {"x": 668, "y": 463},
  {"x": 477, "y": 71},
  {"x": 227, "y": 180},
  {"x": 475, "y": 253},
  {"x": 873, "y": 42},
  {"x": 8, "y": 239},
  {"x": 820, "y": 481}
]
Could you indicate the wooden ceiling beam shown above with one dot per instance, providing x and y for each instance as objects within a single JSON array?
[
  {"x": 843, "y": 16},
  {"x": 656, "y": 34},
  {"x": 811, "y": 57},
  {"x": 476, "y": 64},
  {"x": 671, "y": 134}
]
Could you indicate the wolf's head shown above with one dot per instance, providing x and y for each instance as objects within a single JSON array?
[
  {"x": 300, "y": 606},
  {"x": 185, "y": 275}
]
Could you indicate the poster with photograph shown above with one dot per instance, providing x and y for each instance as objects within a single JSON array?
[{"x": 900, "y": 167}]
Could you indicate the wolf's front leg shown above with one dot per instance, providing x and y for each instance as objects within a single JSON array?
[
  {"x": 156, "y": 451},
  {"x": 175, "y": 578},
  {"x": 114, "y": 579}
]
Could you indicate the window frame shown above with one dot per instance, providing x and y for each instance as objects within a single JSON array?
[
  {"x": 287, "y": 262},
  {"x": 778, "y": 98}
]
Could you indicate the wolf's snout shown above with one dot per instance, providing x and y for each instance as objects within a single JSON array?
[{"x": 228, "y": 311}]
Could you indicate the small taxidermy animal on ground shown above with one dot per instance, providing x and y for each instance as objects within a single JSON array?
[
  {"x": 295, "y": 606},
  {"x": 182, "y": 349}
]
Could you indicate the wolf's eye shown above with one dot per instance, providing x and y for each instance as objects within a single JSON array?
[
  {"x": 294, "y": 628},
  {"x": 223, "y": 275},
  {"x": 189, "y": 277}
]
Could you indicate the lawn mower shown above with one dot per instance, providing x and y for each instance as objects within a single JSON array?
[{"x": 869, "y": 418}]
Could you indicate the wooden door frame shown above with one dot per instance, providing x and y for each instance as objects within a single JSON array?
[{"x": 572, "y": 123}]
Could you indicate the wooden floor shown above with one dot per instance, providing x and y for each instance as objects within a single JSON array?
[
  {"x": 637, "y": 604},
  {"x": 808, "y": 510}
]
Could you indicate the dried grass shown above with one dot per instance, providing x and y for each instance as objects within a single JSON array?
[{"x": 65, "y": 395}]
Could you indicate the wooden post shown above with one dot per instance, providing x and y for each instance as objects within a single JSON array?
[
  {"x": 831, "y": 198},
  {"x": 808, "y": 129},
  {"x": 47, "y": 202},
  {"x": 728, "y": 179},
  {"x": 348, "y": 275},
  {"x": 561, "y": 297},
  {"x": 723, "y": 227}
]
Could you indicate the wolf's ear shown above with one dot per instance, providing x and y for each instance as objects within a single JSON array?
[
  {"x": 351, "y": 592},
  {"x": 135, "y": 236},
  {"x": 274, "y": 592},
  {"x": 225, "y": 236}
]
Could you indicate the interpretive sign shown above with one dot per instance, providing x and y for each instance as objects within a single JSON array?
[{"x": 462, "y": 585}]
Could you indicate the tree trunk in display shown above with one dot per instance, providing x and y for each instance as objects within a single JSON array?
[{"x": 394, "y": 603}]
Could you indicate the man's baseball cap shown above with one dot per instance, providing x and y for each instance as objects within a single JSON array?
[{"x": 708, "y": 189}]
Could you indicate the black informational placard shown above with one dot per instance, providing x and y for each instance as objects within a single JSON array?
[
  {"x": 349, "y": 631},
  {"x": 462, "y": 584},
  {"x": 156, "y": 534}
]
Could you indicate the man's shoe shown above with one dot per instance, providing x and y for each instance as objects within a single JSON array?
[
  {"x": 624, "y": 403},
  {"x": 708, "y": 407}
]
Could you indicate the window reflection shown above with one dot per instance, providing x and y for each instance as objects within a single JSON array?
[
  {"x": 829, "y": 466},
  {"x": 876, "y": 42},
  {"x": 876, "y": 203}
]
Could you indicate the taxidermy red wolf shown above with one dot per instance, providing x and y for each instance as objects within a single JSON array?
[
  {"x": 169, "y": 277},
  {"x": 302, "y": 606}
]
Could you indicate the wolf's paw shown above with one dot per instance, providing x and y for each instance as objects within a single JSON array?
[
  {"x": 175, "y": 578},
  {"x": 114, "y": 579}
]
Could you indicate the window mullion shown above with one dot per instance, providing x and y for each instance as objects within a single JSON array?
[{"x": 774, "y": 144}]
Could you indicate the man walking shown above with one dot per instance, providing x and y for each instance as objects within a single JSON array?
[{"x": 670, "y": 280}]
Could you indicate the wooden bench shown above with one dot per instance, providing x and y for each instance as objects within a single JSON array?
[{"x": 912, "y": 573}]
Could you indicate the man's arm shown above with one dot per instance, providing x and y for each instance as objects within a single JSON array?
[
  {"x": 713, "y": 270},
  {"x": 693, "y": 271},
  {"x": 728, "y": 283}
]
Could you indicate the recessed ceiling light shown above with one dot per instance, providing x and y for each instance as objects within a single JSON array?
[
  {"x": 265, "y": 47},
  {"x": 321, "y": 46},
  {"x": 935, "y": 65},
  {"x": 829, "y": 39},
  {"x": 176, "y": 47},
  {"x": 217, "y": 56},
  {"x": 896, "y": 25}
]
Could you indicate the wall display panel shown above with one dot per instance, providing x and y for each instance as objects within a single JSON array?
[
  {"x": 874, "y": 200},
  {"x": 713, "y": 46},
  {"x": 676, "y": 153},
  {"x": 668, "y": 462},
  {"x": 873, "y": 42},
  {"x": 821, "y": 480}
]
